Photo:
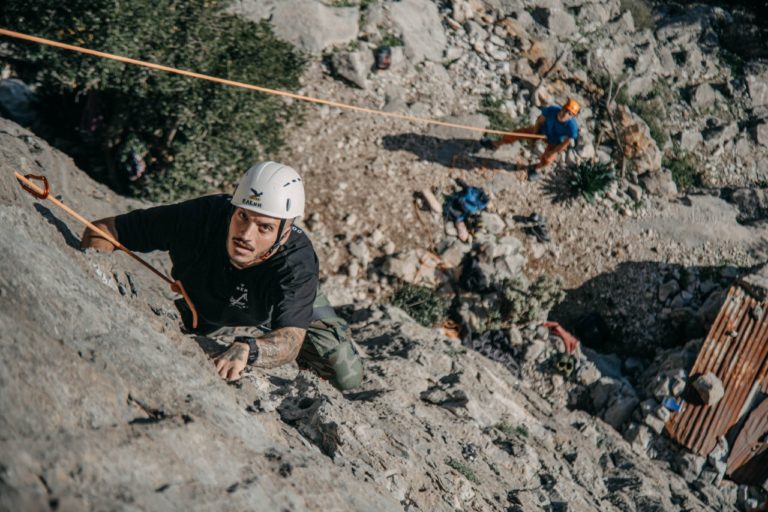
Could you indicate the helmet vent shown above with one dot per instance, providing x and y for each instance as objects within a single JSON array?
[{"x": 288, "y": 204}]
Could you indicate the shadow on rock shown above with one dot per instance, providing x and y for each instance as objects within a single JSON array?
[
  {"x": 456, "y": 153},
  {"x": 556, "y": 187},
  {"x": 210, "y": 346},
  {"x": 645, "y": 305},
  {"x": 70, "y": 239}
]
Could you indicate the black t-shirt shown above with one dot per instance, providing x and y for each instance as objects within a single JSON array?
[{"x": 279, "y": 291}]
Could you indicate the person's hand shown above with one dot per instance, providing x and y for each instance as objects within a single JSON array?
[{"x": 231, "y": 363}]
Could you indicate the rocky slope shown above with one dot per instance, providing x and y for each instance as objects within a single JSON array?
[{"x": 107, "y": 406}]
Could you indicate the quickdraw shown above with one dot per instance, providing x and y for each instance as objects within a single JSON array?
[{"x": 43, "y": 193}]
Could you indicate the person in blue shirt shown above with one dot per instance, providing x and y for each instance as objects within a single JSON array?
[{"x": 558, "y": 124}]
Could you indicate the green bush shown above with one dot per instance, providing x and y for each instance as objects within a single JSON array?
[
  {"x": 590, "y": 179},
  {"x": 193, "y": 135},
  {"x": 421, "y": 303},
  {"x": 685, "y": 170},
  {"x": 522, "y": 303},
  {"x": 511, "y": 431},
  {"x": 462, "y": 469},
  {"x": 391, "y": 40}
]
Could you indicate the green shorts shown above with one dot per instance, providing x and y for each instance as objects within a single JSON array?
[{"x": 328, "y": 349}]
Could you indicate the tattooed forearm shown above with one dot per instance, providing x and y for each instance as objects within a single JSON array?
[{"x": 279, "y": 347}]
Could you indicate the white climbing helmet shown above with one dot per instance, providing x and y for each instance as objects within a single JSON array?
[{"x": 271, "y": 189}]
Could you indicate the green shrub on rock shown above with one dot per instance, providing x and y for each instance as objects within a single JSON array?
[
  {"x": 194, "y": 136},
  {"x": 421, "y": 303},
  {"x": 521, "y": 303},
  {"x": 685, "y": 170}
]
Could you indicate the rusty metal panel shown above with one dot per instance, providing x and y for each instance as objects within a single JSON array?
[
  {"x": 748, "y": 462},
  {"x": 736, "y": 351}
]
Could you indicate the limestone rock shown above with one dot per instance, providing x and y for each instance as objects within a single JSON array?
[
  {"x": 659, "y": 183},
  {"x": 709, "y": 388},
  {"x": 761, "y": 134},
  {"x": 421, "y": 28},
  {"x": 689, "y": 465},
  {"x": 689, "y": 139},
  {"x": 559, "y": 22},
  {"x": 704, "y": 96},
  {"x": 639, "y": 437},
  {"x": 757, "y": 82},
  {"x": 353, "y": 66},
  {"x": 637, "y": 141},
  {"x": 492, "y": 222},
  {"x": 620, "y": 410},
  {"x": 307, "y": 24},
  {"x": 634, "y": 192}
]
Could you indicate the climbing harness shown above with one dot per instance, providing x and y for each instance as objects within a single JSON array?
[
  {"x": 265, "y": 90},
  {"x": 43, "y": 193}
]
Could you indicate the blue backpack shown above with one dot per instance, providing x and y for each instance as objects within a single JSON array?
[{"x": 465, "y": 202}]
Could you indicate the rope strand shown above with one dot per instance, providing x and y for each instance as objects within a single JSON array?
[{"x": 265, "y": 90}]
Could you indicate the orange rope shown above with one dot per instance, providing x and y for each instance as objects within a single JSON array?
[
  {"x": 299, "y": 97},
  {"x": 42, "y": 193}
]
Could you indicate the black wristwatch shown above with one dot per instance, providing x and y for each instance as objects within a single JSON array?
[{"x": 253, "y": 348}]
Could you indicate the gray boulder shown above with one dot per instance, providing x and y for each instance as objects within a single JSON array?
[
  {"x": 353, "y": 66},
  {"x": 704, "y": 96},
  {"x": 620, "y": 410},
  {"x": 757, "y": 83},
  {"x": 689, "y": 139},
  {"x": 17, "y": 101},
  {"x": 761, "y": 134},
  {"x": 307, "y": 24},
  {"x": 709, "y": 388},
  {"x": 419, "y": 23},
  {"x": 559, "y": 22},
  {"x": 659, "y": 183}
]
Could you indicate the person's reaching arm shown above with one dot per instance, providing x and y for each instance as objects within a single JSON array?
[
  {"x": 562, "y": 146},
  {"x": 275, "y": 348}
]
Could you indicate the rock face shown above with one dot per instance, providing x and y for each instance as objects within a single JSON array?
[
  {"x": 638, "y": 144},
  {"x": 421, "y": 28},
  {"x": 106, "y": 405},
  {"x": 757, "y": 81},
  {"x": 308, "y": 24}
]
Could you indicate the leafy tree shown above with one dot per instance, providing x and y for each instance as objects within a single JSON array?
[{"x": 192, "y": 135}]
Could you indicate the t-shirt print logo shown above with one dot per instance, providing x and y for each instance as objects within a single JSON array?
[{"x": 241, "y": 302}]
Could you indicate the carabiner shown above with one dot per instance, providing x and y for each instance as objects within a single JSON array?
[{"x": 26, "y": 184}]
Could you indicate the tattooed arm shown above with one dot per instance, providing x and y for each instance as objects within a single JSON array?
[
  {"x": 276, "y": 348},
  {"x": 279, "y": 347}
]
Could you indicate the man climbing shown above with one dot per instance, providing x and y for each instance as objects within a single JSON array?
[
  {"x": 244, "y": 262},
  {"x": 559, "y": 126}
]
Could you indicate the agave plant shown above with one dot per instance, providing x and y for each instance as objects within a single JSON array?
[{"x": 590, "y": 179}]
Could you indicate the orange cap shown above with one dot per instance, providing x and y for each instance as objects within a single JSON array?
[{"x": 572, "y": 106}]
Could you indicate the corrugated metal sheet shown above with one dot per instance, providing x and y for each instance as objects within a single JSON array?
[
  {"x": 748, "y": 462},
  {"x": 736, "y": 350}
]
